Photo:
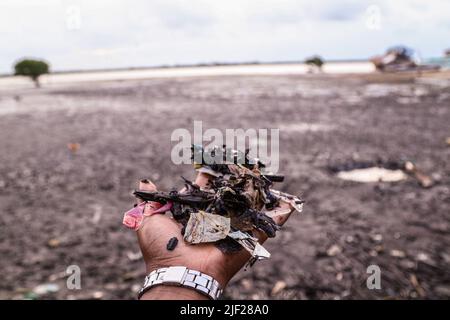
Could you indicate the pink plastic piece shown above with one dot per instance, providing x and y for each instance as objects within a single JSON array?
[{"x": 134, "y": 217}]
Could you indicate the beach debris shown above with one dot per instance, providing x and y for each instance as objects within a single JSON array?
[
  {"x": 53, "y": 243},
  {"x": 377, "y": 237},
  {"x": 251, "y": 244},
  {"x": 415, "y": 282},
  {"x": 373, "y": 174},
  {"x": 237, "y": 201},
  {"x": 98, "y": 295},
  {"x": 334, "y": 250},
  {"x": 134, "y": 217},
  {"x": 73, "y": 146},
  {"x": 423, "y": 257},
  {"x": 278, "y": 287},
  {"x": 45, "y": 288},
  {"x": 424, "y": 180},
  {"x": 172, "y": 243},
  {"x": 292, "y": 200},
  {"x": 206, "y": 227},
  {"x": 30, "y": 296},
  {"x": 400, "y": 58},
  {"x": 246, "y": 284},
  {"x": 377, "y": 171},
  {"x": 397, "y": 253},
  {"x": 98, "y": 212},
  {"x": 447, "y": 141},
  {"x": 134, "y": 256}
]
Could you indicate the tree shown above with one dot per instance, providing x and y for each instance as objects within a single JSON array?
[
  {"x": 31, "y": 68},
  {"x": 315, "y": 61}
]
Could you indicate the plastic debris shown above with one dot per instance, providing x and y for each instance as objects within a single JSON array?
[
  {"x": 45, "y": 288},
  {"x": 134, "y": 256},
  {"x": 377, "y": 237},
  {"x": 417, "y": 286},
  {"x": 172, "y": 243},
  {"x": 292, "y": 200},
  {"x": 206, "y": 227},
  {"x": 53, "y": 243},
  {"x": 374, "y": 174},
  {"x": 237, "y": 200},
  {"x": 399, "y": 58},
  {"x": 397, "y": 253},
  {"x": 250, "y": 244},
  {"x": 278, "y": 287},
  {"x": 98, "y": 295},
  {"x": 334, "y": 250},
  {"x": 134, "y": 217},
  {"x": 30, "y": 296},
  {"x": 98, "y": 212},
  {"x": 74, "y": 147},
  {"x": 424, "y": 180}
]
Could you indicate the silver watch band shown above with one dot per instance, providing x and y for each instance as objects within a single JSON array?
[{"x": 182, "y": 276}]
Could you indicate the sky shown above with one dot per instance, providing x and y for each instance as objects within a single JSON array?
[{"x": 101, "y": 34}]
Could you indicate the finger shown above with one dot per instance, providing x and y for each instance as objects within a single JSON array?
[{"x": 147, "y": 185}]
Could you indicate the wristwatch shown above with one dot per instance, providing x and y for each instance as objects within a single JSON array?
[{"x": 183, "y": 277}]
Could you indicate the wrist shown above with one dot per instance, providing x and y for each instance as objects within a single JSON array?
[
  {"x": 217, "y": 272},
  {"x": 167, "y": 292}
]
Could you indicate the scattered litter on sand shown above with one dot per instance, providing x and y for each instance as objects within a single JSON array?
[
  {"x": 367, "y": 172},
  {"x": 373, "y": 174},
  {"x": 45, "y": 288}
]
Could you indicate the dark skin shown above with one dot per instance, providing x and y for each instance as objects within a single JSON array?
[{"x": 156, "y": 231}]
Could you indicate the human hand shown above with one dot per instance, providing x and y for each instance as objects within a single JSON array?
[{"x": 158, "y": 229}]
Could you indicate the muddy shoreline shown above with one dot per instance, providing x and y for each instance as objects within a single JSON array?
[{"x": 62, "y": 205}]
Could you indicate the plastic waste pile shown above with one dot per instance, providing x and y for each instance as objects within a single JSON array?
[{"x": 238, "y": 200}]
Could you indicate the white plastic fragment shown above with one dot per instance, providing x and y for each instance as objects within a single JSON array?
[
  {"x": 294, "y": 201},
  {"x": 250, "y": 244},
  {"x": 373, "y": 174},
  {"x": 206, "y": 227},
  {"x": 46, "y": 288}
]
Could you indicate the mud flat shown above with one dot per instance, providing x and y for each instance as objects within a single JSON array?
[{"x": 71, "y": 153}]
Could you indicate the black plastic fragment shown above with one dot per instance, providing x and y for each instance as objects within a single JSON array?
[{"x": 172, "y": 243}]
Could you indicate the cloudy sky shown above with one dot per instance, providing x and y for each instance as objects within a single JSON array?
[{"x": 93, "y": 34}]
